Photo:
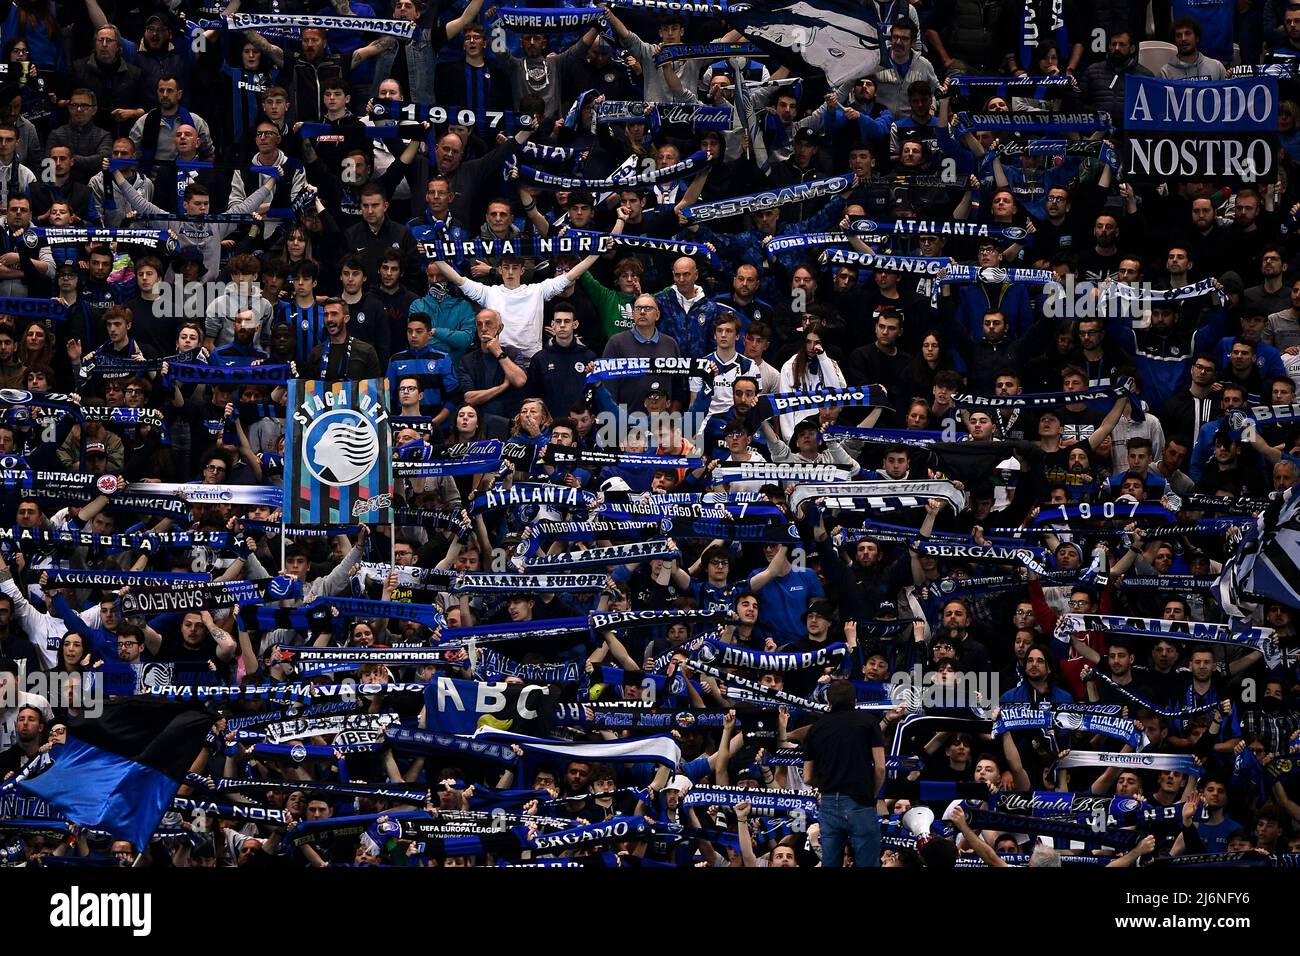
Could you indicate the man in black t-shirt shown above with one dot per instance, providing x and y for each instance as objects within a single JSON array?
[
  {"x": 844, "y": 758},
  {"x": 1118, "y": 666},
  {"x": 200, "y": 641}
]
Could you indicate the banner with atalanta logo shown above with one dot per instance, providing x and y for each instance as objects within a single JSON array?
[{"x": 339, "y": 466}]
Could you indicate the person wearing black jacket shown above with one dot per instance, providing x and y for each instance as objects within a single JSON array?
[
  {"x": 376, "y": 233},
  {"x": 557, "y": 374},
  {"x": 1102, "y": 84},
  {"x": 118, "y": 85}
]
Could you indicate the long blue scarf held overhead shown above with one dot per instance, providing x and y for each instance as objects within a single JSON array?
[
  {"x": 567, "y": 457},
  {"x": 238, "y": 22},
  {"x": 699, "y": 8},
  {"x": 691, "y": 165},
  {"x": 190, "y": 373},
  {"x": 81, "y": 235},
  {"x": 762, "y": 802},
  {"x": 678, "y": 247},
  {"x": 473, "y": 582},
  {"x": 431, "y": 742},
  {"x": 572, "y": 242},
  {"x": 770, "y": 199},
  {"x": 1039, "y": 400},
  {"x": 773, "y": 246},
  {"x": 911, "y": 437},
  {"x": 532, "y": 494},
  {"x": 438, "y": 115},
  {"x": 1003, "y": 85},
  {"x": 1183, "y": 763},
  {"x": 498, "y": 666},
  {"x": 803, "y": 403},
  {"x": 930, "y": 227},
  {"x": 115, "y": 579},
  {"x": 560, "y": 155},
  {"x": 1035, "y": 559},
  {"x": 1036, "y": 122},
  {"x": 548, "y": 19},
  {"x": 603, "y": 557},
  {"x": 466, "y": 458},
  {"x": 674, "y": 52},
  {"x": 780, "y": 472},
  {"x": 606, "y": 369},
  {"x": 698, "y": 116},
  {"x": 913, "y": 265},
  {"x": 1260, "y": 639},
  {"x": 982, "y": 819},
  {"x": 728, "y": 655},
  {"x": 587, "y": 531},
  {"x": 1089, "y": 511}
]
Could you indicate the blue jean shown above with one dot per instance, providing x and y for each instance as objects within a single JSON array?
[{"x": 845, "y": 820}]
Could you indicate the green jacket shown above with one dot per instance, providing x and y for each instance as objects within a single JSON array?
[{"x": 613, "y": 307}]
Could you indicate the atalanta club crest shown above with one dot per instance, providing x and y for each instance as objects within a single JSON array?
[{"x": 340, "y": 444}]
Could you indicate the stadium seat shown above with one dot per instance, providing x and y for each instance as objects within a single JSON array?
[{"x": 1154, "y": 54}]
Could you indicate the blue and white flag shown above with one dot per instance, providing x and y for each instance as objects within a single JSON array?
[
  {"x": 461, "y": 707},
  {"x": 1267, "y": 565},
  {"x": 338, "y": 462}
]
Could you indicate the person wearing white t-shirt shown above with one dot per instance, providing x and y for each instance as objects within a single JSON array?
[{"x": 520, "y": 306}]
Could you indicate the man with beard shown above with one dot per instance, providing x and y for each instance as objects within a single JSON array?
[
  {"x": 1102, "y": 83},
  {"x": 342, "y": 357}
]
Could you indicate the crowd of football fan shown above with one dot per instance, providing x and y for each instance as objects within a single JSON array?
[{"x": 326, "y": 269}]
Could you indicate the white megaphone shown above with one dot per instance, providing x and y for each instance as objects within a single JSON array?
[{"x": 917, "y": 821}]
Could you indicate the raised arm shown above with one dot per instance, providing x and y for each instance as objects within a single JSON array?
[
  {"x": 449, "y": 273},
  {"x": 974, "y": 840},
  {"x": 1108, "y": 423},
  {"x": 576, "y": 273},
  {"x": 454, "y": 27}
]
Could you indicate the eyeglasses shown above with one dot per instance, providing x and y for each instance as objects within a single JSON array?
[
  {"x": 1074, "y": 603},
  {"x": 262, "y": 133},
  {"x": 214, "y": 469},
  {"x": 81, "y": 106},
  {"x": 645, "y": 308},
  {"x": 122, "y": 644}
]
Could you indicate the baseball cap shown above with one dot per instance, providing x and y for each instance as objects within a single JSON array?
[
  {"x": 67, "y": 268},
  {"x": 657, "y": 388},
  {"x": 95, "y": 448}
]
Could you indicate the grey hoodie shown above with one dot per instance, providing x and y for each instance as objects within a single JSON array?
[{"x": 1202, "y": 68}]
